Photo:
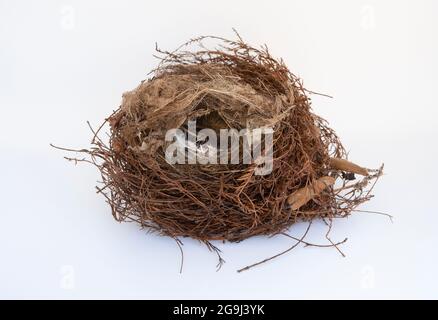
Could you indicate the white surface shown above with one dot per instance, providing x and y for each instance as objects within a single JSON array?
[{"x": 62, "y": 63}]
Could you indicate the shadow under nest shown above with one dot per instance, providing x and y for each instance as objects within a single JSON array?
[{"x": 232, "y": 85}]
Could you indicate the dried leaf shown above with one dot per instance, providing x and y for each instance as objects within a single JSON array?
[
  {"x": 344, "y": 165},
  {"x": 302, "y": 196}
]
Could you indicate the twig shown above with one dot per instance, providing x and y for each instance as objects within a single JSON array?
[{"x": 279, "y": 254}]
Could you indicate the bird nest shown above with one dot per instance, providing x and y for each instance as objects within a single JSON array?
[{"x": 300, "y": 173}]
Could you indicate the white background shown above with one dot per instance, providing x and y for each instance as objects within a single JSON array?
[{"x": 62, "y": 63}]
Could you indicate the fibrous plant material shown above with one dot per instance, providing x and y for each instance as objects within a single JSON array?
[{"x": 229, "y": 85}]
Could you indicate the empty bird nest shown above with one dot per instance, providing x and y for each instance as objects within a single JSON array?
[{"x": 227, "y": 85}]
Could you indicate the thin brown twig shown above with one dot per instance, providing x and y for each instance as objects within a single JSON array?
[{"x": 279, "y": 254}]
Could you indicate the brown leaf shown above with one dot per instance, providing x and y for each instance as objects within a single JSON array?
[
  {"x": 344, "y": 165},
  {"x": 302, "y": 196}
]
